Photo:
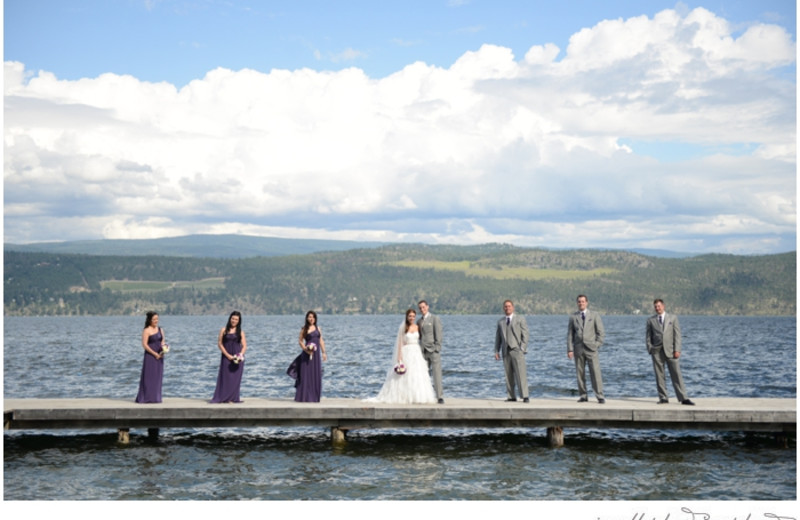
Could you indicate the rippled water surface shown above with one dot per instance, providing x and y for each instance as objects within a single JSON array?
[{"x": 101, "y": 357}]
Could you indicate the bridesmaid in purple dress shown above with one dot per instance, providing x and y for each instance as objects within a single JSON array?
[
  {"x": 307, "y": 367},
  {"x": 232, "y": 343},
  {"x": 153, "y": 342}
]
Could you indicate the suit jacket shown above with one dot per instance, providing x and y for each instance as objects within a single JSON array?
[
  {"x": 589, "y": 332},
  {"x": 430, "y": 333},
  {"x": 517, "y": 337},
  {"x": 668, "y": 337}
]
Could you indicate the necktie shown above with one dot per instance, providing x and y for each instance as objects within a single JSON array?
[
  {"x": 583, "y": 316},
  {"x": 661, "y": 320},
  {"x": 508, "y": 320}
]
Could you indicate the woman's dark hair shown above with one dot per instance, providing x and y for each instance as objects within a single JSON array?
[
  {"x": 305, "y": 325},
  {"x": 149, "y": 319},
  {"x": 238, "y": 325},
  {"x": 409, "y": 311}
]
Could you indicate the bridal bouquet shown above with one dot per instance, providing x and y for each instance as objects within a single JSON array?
[
  {"x": 400, "y": 369},
  {"x": 164, "y": 348},
  {"x": 237, "y": 358},
  {"x": 311, "y": 347}
]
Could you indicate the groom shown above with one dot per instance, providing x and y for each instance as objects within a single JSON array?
[{"x": 430, "y": 340}]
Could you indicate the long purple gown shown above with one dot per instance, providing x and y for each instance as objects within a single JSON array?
[
  {"x": 309, "y": 373},
  {"x": 229, "y": 379},
  {"x": 152, "y": 372}
]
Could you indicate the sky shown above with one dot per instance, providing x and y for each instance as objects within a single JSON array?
[{"x": 575, "y": 124}]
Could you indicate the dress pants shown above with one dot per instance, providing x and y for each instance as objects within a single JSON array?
[
  {"x": 516, "y": 375},
  {"x": 582, "y": 357},
  {"x": 434, "y": 360},
  {"x": 673, "y": 365}
]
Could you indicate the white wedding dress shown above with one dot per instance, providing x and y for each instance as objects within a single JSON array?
[{"x": 415, "y": 385}]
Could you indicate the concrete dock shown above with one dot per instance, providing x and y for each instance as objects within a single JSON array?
[{"x": 340, "y": 415}]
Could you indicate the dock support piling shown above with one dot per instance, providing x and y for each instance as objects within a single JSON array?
[
  {"x": 123, "y": 436},
  {"x": 555, "y": 436},
  {"x": 338, "y": 437},
  {"x": 152, "y": 434}
]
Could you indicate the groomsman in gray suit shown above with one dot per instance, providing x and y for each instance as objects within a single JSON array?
[
  {"x": 663, "y": 338},
  {"x": 585, "y": 335},
  {"x": 430, "y": 340},
  {"x": 511, "y": 340}
]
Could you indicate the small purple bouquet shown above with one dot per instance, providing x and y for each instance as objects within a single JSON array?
[
  {"x": 400, "y": 369},
  {"x": 237, "y": 358},
  {"x": 164, "y": 348},
  {"x": 311, "y": 347}
]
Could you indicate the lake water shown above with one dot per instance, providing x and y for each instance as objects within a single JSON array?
[{"x": 67, "y": 357}]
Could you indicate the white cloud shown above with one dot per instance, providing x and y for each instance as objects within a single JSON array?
[
  {"x": 491, "y": 149},
  {"x": 349, "y": 54},
  {"x": 400, "y": 42},
  {"x": 542, "y": 54}
]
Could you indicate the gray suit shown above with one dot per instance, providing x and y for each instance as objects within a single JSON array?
[
  {"x": 663, "y": 341},
  {"x": 584, "y": 338},
  {"x": 511, "y": 340},
  {"x": 430, "y": 340}
]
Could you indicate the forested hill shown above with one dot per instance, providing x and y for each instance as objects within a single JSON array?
[{"x": 389, "y": 279}]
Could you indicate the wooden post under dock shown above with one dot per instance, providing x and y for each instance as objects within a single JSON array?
[
  {"x": 124, "y": 436},
  {"x": 778, "y": 415},
  {"x": 555, "y": 436},
  {"x": 338, "y": 436}
]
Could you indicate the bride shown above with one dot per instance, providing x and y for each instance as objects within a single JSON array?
[{"x": 413, "y": 385}]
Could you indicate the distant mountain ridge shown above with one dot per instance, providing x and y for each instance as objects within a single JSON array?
[
  {"x": 230, "y": 246},
  {"x": 195, "y": 246}
]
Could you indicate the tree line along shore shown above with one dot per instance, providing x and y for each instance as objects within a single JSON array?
[{"x": 391, "y": 278}]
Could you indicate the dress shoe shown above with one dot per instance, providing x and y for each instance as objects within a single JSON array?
[
  {"x": 526, "y": 400},
  {"x": 601, "y": 401},
  {"x": 509, "y": 400},
  {"x": 583, "y": 399},
  {"x": 663, "y": 401},
  {"x": 441, "y": 401},
  {"x": 687, "y": 401}
]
